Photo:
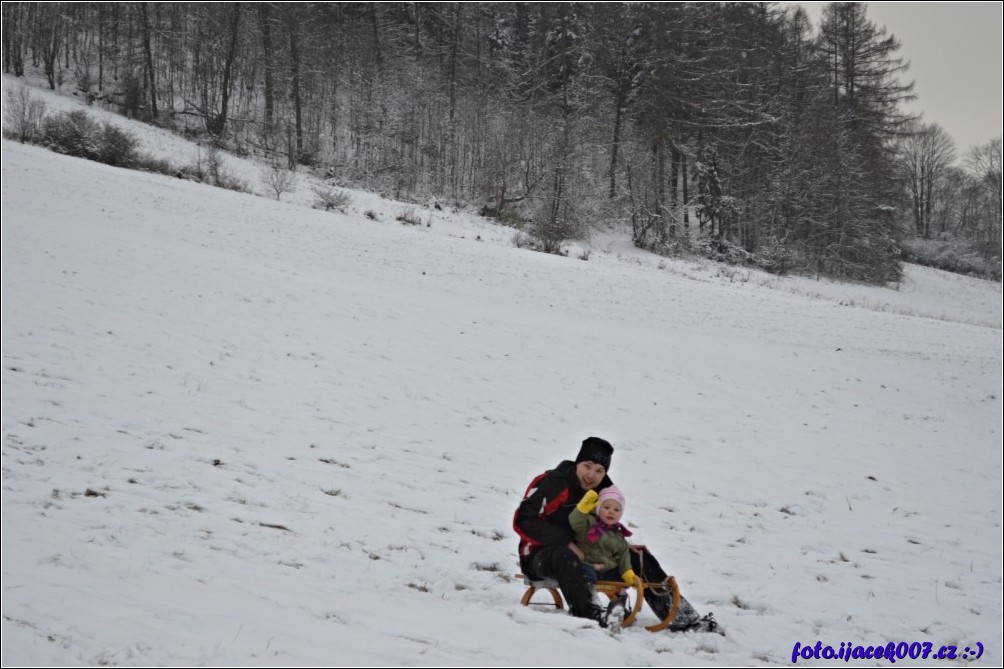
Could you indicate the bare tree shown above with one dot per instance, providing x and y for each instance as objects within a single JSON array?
[
  {"x": 265, "y": 28},
  {"x": 49, "y": 33},
  {"x": 23, "y": 114},
  {"x": 924, "y": 158},
  {"x": 985, "y": 201},
  {"x": 279, "y": 180}
]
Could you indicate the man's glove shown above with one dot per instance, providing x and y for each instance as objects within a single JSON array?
[{"x": 588, "y": 502}]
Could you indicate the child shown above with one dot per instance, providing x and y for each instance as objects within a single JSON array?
[{"x": 602, "y": 537}]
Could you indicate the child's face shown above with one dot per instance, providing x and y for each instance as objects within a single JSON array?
[{"x": 609, "y": 512}]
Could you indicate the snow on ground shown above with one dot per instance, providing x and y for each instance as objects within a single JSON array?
[{"x": 237, "y": 430}]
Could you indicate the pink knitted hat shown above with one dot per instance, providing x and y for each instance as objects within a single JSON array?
[{"x": 611, "y": 492}]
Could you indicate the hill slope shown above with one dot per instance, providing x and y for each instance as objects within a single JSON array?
[{"x": 239, "y": 431}]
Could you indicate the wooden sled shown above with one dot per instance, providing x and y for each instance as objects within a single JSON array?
[{"x": 611, "y": 589}]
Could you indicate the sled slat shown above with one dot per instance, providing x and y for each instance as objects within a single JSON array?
[{"x": 674, "y": 592}]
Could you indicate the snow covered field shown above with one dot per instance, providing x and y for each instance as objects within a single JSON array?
[{"x": 237, "y": 430}]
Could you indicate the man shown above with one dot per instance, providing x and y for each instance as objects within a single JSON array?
[
  {"x": 547, "y": 544},
  {"x": 547, "y": 548}
]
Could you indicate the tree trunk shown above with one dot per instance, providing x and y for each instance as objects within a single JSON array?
[
  {"x": 228, "y": 67},
  {"x": 660, "y": 188},
  {"x": 49, "y": 41},
  {"x": 374, "y": 20},
  {"x": 264, "y": 22},
  {"x": 101, "y": 46},
  {"x": 416, "y": 7},
  {"x": 294, "y": 49},
  {"x": 148, "y": 52},
  {"x": 615, "y": 148},
  {"x": 451, "y": 152},
  {"x": 674, "y": 185},
  {"x": 928, "y": 187},
  {"x": 686, "y": 199}
]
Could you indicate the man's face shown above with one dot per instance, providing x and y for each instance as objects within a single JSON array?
[{"x": 590, "y": 474}]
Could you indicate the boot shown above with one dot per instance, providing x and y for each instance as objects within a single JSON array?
[
  {"x": 616, "y": 612},
  {"x": 597, "y": 598}
]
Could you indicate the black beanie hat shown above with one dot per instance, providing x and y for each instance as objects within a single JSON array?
[{"x": 596, "y": 450}]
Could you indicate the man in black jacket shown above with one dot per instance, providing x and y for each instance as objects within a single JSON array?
[{"x": 547, "y": 544}]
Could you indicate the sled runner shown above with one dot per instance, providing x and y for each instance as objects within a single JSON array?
[{"x": 611, "y": 589}]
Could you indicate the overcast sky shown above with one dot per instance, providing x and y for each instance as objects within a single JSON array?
[{"x": 955, "y": 58}]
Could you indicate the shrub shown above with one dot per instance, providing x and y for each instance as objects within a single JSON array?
[
  {"x": 234, "y": 184},
  {"x": 409, "y": 217},
  {"x": 509, "y": 216},
  {"x": 132, "y": 94},
  {"x": 553, "y": 225},
  {"x": 278, "y": 179},
  {"x": 84, "y": 77},
  {"x": 117, "y": 147},
  {"x": 23, "y": 115},
  {"x": 209, "y": 168},
  {"x": 779, "y": 258},
  {"x": 952, "y": 255},
  {"x": 213, "y": 160},
  {"x": 72, "y": 133},
  {"x": 525, "y": 240},
  {"x": 722, "y": 250},
  {"x": 77, "y": 134},
  {"x": 329, "y": 197},
  {"x": 157, "y": 165}
]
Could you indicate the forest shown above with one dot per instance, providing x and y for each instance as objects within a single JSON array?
[{"x": 737, "y": 131}]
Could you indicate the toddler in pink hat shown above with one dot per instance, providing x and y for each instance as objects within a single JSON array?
[{"x": 602, "y": 537}]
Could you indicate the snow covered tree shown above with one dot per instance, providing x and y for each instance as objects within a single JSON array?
[
  {"x": 866, "y": 94},
  {"x": 568, "y": 114},
  {"x": 864, "y": 70}
]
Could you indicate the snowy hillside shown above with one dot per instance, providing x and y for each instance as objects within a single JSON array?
[{"x": 237, "y": 430}]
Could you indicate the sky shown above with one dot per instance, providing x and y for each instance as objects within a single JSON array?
[{"x": 955, "y": 55}]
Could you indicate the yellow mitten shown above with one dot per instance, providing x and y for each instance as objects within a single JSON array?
[
  {"x": 629, "y": 576},
  {"x": 588, "y": 502}
]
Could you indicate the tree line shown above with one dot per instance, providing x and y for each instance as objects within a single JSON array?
[{"x": 733, "y": 129}]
